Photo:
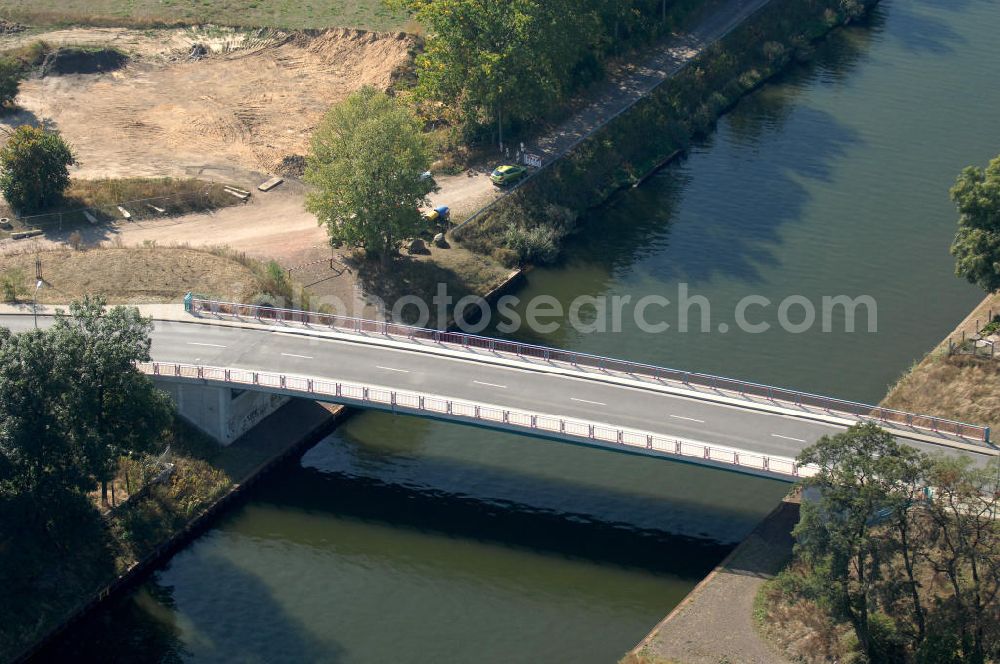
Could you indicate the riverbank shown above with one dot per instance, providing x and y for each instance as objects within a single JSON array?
[
  {"x": 289, "y": 431},
  {"x": 715, "y": 621},
  {"x": 958, "y": 387},
  {"x": 942, "y": 384},
  {"x": 530, "y": 224}
]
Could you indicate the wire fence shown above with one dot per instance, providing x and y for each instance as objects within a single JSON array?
[
  {"x": 802, "y": 401},
  {"x": 485, "y": 414}
]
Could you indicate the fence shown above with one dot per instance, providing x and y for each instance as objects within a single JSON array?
[
  {"x": 748, "y": 390},
  {"x": 980, "y": 344},
  {"x": 488, "y": 415}
]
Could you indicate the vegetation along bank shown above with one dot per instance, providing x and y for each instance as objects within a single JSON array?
[{"x": 529, "y": 225}]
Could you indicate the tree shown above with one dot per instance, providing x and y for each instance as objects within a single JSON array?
[
  {"x": 11, "y": 74},
  {"x": 39, "y": 464},
  {"x": 499, "y": 63},
  {"x": 71, "y": 403},
  {"x": 366, "y": 164},
  {"x": 114, "y": 409},
  {"x": 977, "y": 243},
  {"x": 903, "y": 546},
  {"x": 34, "y": 168},
  {"x": 966, "y": 549},
  {"x": 866, "y": 478}
]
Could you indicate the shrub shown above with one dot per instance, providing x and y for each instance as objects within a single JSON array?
[
  {"x": 10, "y": 80},
  {"x": 34, "y": 168},
  {"x": 532, "y": 245}
]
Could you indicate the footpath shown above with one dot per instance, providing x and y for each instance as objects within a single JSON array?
[{"x": 714, "y": 623}]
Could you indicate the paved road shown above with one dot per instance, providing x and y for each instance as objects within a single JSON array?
[{"x": 465, "y": 378}]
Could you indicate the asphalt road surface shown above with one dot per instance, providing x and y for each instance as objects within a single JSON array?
[{"x": 465, "y": 378}]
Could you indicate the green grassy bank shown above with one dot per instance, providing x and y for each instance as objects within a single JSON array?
[{"x": 367, "y": 14}]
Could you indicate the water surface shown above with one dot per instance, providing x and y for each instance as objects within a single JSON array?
[{"x": 404, "y": 540}]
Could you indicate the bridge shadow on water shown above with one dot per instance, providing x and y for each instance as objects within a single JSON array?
[{"x": 499, "y": 522}]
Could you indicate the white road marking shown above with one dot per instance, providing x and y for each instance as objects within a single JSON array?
[
  {"x": 391, "y": 369},
  {"x": 690, "y": 419},
  {"x": 195, "y": 343},
  {"x": 596, "y": 403},
  {"x": 479, "y": 382},
  {"x": 797, "y": 440},
  {"x": 304, "y": 357}
]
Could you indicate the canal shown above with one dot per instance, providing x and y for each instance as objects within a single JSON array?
[{"x": 397, "y": 539}]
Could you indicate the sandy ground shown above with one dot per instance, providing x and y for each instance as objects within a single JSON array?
[
  {"x": 251, "y": 102},
  {"x": 235, "y": 114}
]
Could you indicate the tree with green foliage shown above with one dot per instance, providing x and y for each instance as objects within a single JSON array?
[
  {"x": 39, "y": 462},
  {"x": 34, "y": 168},
  {"x": 977, "y": 243},
  {"x": 863, "y": 473},
  {"x": 965, "y": 550},
  {"x": 72, "y": 403},
  {"x": 366, "y": 164},
  {"x": 902, "y": 546},
  {"x": 115, "y": 408},
  {"x": 502, "y": 63},
  {"x": 11, "y": 74}
]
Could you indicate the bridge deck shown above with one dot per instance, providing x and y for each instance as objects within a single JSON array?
[{"x": 585, "y": 397}]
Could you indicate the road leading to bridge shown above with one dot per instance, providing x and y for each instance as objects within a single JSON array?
[{"x": 292, "y": 351}]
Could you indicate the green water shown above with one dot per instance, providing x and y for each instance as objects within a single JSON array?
[{"x": 403, "y": 540}]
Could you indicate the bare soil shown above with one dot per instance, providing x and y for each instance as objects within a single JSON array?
[{"x": 250, "y": 103}]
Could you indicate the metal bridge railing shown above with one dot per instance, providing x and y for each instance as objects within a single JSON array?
[
  {"x": 491, "y": 415},
  {"x": 748, "y": 390}
]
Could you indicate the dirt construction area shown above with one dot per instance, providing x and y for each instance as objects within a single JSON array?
[{"x": 192, "y": 98}]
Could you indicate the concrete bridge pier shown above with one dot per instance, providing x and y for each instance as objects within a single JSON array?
[{"x": 224, "y": 413}]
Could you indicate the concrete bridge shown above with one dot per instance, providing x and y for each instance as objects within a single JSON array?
[{"x": 228, "y": 366}]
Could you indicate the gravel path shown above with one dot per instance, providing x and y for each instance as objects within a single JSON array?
[{"x": 715, "y": 622}]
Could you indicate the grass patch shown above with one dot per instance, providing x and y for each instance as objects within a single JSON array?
[
  {"x": 30, "y": 55},
  {"x": 958, "y": 387},
  {"x": 796, "y": 625},
  {"x": 368, "y": 14},
  {"x": 142, "y": 275},
  {"x": 142, "y": 196}
]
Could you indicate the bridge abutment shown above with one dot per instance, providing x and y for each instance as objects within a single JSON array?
[{"x": 224, "y": 413}]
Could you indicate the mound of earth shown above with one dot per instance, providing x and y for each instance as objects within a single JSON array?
[
  {"x": 73, "y": 60},
  {"x": 293, "y": 165}
]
